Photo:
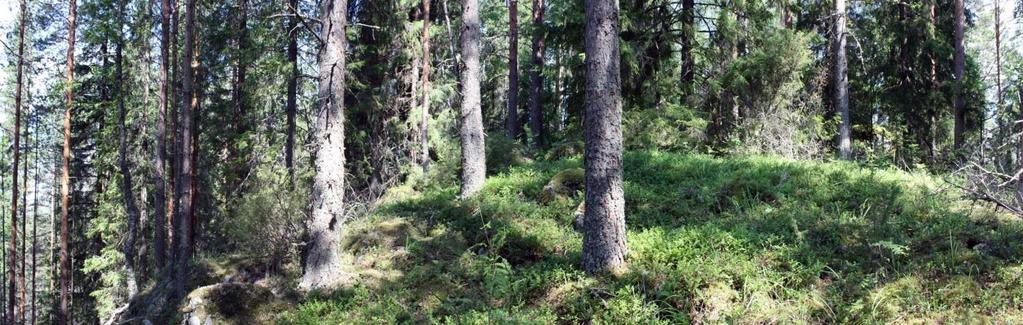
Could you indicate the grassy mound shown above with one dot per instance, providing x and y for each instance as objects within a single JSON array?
[{"x": 753, "y": 240}]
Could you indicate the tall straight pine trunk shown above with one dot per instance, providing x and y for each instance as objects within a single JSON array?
[
  {"x": 604, "y": 244},
  {"x": 424, "y": 122},
  {"x": 12, "y": 260},
  {"x": 473, "y": 145},
  {"x": 535, "y": 76},
  {"x": 160, "y": 150},
  {"x": 183, "y": 184},
  {"x": 291, "y": 104},
  {"x": 63, "y": 314},
  {"x": 958, "y": 68},
  {"x": 512, "y": 117},
  {"x": 840, "y": 73},
  {"x": 323, "y": 267}
]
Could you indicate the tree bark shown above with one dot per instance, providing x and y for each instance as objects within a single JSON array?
[
  {"x": 160, "y": 154},
  {"x": 292, "y": 100},
  {"x": 63, "y": 315},
  {"x": 127, "y": 186},
  {"x": 840, "y": 73},
  {"x": 688, "y": 32},
  {"x": 236, "y": 151},
  {"x": 184, "y": 205},
  {"x": 604, "y": 246},
  {"x": 323, "y": 268},
  {"x": 473, "y": 145},
  {"x": 535, "y": 76},
  {"x": 512, "y": 122},
  {"x": 959, "y": 67},
  {"x": 424, "y": 126},
  {"x": 13, "y": 248}
]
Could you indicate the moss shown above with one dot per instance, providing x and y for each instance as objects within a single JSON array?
[
  {"x": 563, "y": 186},
  {"x": 729, "y": 240}
]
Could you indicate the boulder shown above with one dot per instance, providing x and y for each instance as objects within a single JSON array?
[{"x": 564, "y": 185}]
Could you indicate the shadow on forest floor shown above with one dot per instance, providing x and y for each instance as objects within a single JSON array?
[{"x": 750, "y": 240}]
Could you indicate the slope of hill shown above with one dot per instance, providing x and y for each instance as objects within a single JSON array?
[{"x": 737, "y": 240}]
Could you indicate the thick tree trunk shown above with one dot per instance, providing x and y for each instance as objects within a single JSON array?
[
  {"x": 323, "y": 268},
  {"x": 959, "y": 68},
  {"x": 512, "y": 122},
  {"x": 184, "y": 205},
  {"x": 688, "y": 33},
  {"x": 840, "y": 73},
  {"x": 127, "y": 187},
  {"x": 424, "y": 126},
  {"x": 12, "y": 260},
  {"x": 473, "y": 146},
  {"x": 160, "y": 154},
  {"x": 292, "y": 100},
  {"x": 64, "y": 315},
  {"x": 236, "y": 151},
  {"x": 604, "y": 244},
  {"x": 535, "y": 78},
  {"x": 174, "y": 131}
]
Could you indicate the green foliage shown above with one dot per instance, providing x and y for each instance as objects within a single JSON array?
[{"x": 745, "y": 240}]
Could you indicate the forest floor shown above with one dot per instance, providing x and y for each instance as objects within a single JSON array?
[{"x": 736, "y": 240}]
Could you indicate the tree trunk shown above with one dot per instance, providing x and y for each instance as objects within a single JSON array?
[
  {"x": 998, "y": 56},
  {"x": 63, "y": 316},
  {"x": 424, "y": 126},
  {"x": 473, "y": 146},
  {"x": 127, "y": 187},
  {"x": 535, "y": 78},
  {"x": 959, "y": 67},
  {"x": 22, "y": 281},
  {"x": 172, "y": 136},
  {"x": 841, "y": 81},
  {"x": 184, "y": 206},
  {"x": 688, "y": 33},
  {"x": 512, "y": 122},
  {"x": 35, "y": 220},
  {"x": 160, "y": 154},
  {"x": 236, "y": 151},
  {"x": 323, "y": 267},
  {"x": 292, "y": 101},
  {"x": 13, "y": 249},
  {"x": 604, "y": 244}
]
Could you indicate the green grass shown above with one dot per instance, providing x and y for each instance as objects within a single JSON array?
[{"x": 737, "y": 240}]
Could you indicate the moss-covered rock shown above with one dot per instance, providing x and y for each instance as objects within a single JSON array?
[
  {"x": 565, "y": 150},
  {"x": 228, "y": 303},
  {"x": 564, "y": 185}
]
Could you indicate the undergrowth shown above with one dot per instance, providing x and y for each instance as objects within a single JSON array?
[{"x": 737, "y": 240}]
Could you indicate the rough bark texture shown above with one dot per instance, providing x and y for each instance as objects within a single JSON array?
[
  {"x": 604, "y": 245},
  {"x": 959, "y": 67},
  {"x": 998, "y": 56},
  {"x": 183, "y": 184},
  {"x": 160, "y": 154},
  {"x": 322, "y": 261},
  {"x": 688, "y": 29},
  {"x": 424, "y": 125},
  {"x": 292, "y": 101},
  {"x": 512, "y": 122},
  {"x": 840, "y": 73},
  {"x": 127, "y": 186},
  {"x": 63, "y": 313},
  {"x": 13, "y": 248},
  {"x": 473, "y": 145},
  {"x": 535, "y": 78},
  {"x": 236, "y": 151}
]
